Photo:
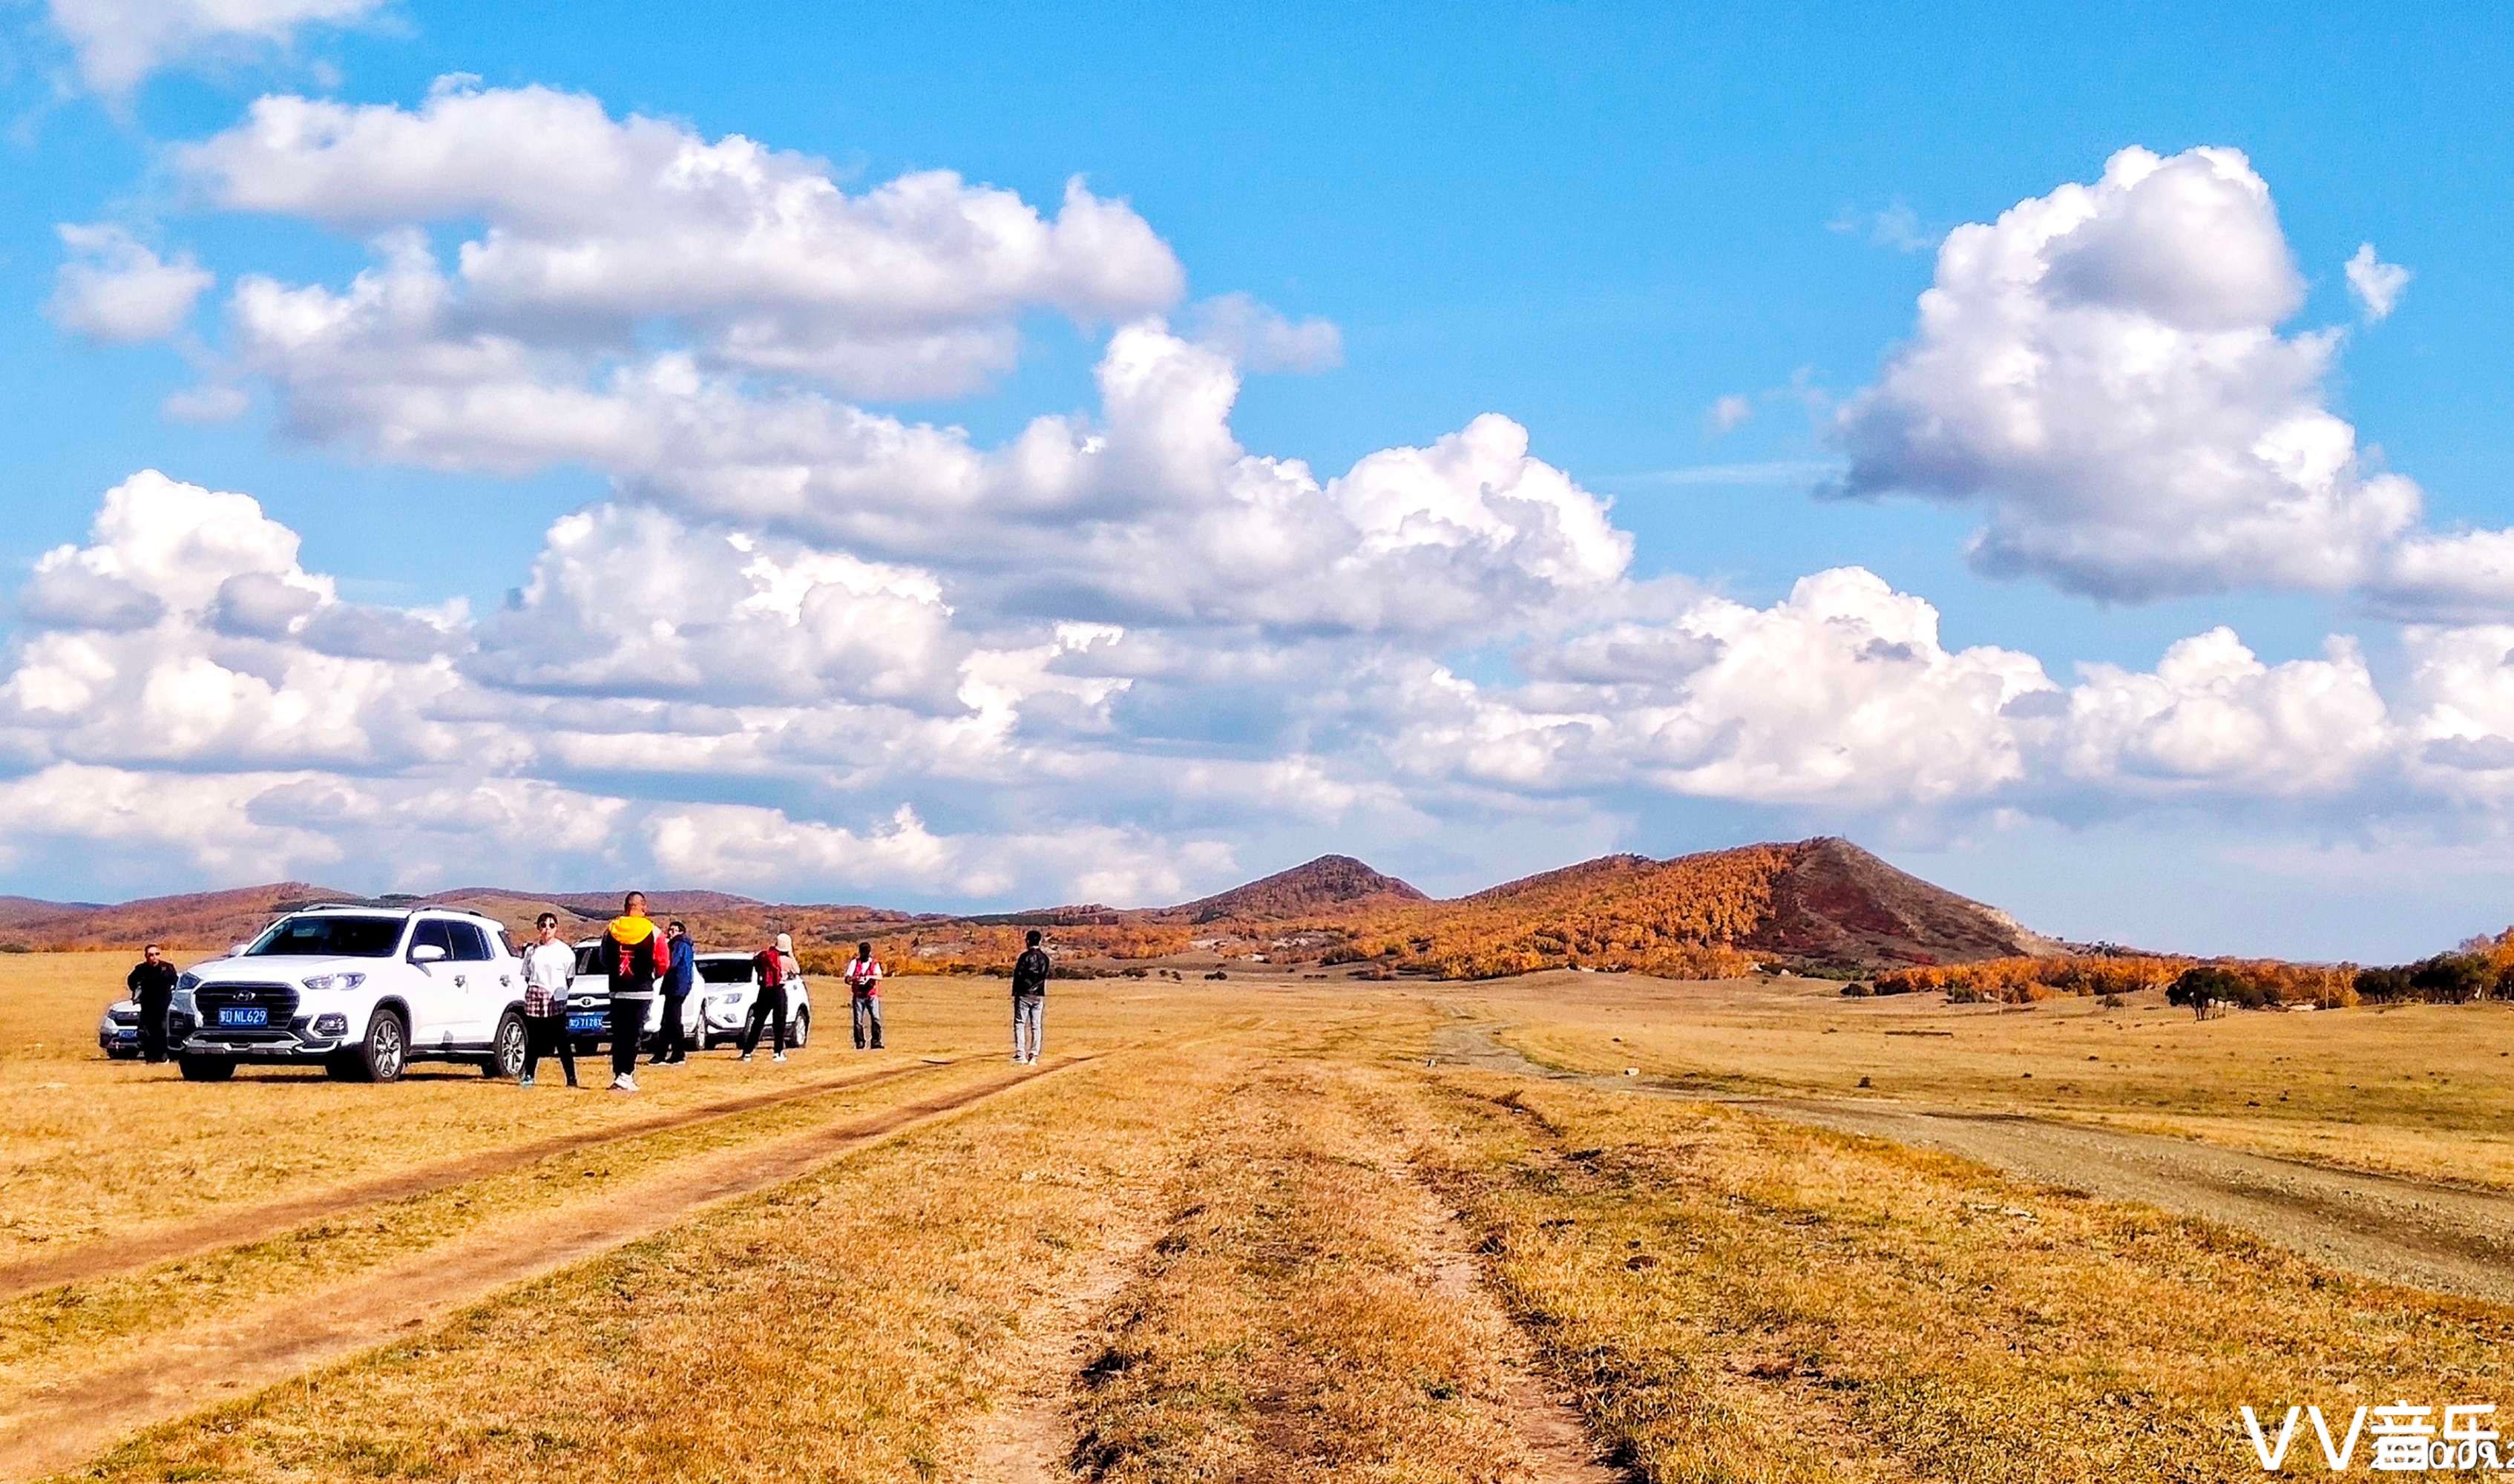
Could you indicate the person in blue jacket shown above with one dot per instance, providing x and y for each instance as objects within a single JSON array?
[{"x": 672, "y": 1042}]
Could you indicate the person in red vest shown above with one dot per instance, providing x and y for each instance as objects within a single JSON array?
[
  {"x": 775, "y": 964},
  {"x": 863, "y": 985}
]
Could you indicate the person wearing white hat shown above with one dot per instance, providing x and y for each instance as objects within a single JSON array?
[{"x": 776, "y": 967}]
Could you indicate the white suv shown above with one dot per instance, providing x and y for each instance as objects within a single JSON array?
[
  {"x": 363, "y": 990},
  {"x": 728, "y": 982}
]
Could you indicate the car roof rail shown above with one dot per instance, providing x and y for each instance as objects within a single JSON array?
[{"x": 350, "y": 906}]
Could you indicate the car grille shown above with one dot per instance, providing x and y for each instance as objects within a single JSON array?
[{"x": 279, "y": 999}]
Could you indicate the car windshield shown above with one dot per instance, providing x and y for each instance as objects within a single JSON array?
[
  {"x": 328, "y": 936},
  {"x": 726, "y": 971}
]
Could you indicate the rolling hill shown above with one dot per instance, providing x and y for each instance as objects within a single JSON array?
[
  {"x": 1820, "y": 902},
  {"x": 1329, "y": 884}
]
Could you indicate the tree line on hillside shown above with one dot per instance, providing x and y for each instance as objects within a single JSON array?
[
  {"x": 2481, "y": 968},
  {"x": 1680, "y": 918}
]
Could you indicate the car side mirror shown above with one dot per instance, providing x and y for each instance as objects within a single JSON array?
[{"x": 426, "y": 953}]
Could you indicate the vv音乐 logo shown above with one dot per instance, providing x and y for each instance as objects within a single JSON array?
[{"x": 2396, "y": 1438}]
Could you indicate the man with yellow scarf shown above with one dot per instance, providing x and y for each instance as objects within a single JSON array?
[{"x": 633, "y": 955}]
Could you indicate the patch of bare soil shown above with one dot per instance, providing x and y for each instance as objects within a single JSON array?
[
  {"x": 1030, "y": 1437},
  {"x": 1555, "y": 1444},
  {"x": 2429, "y": 1236},
  {"x": 129, "y": 1254},
  {"x": 73, "y": 1417}
]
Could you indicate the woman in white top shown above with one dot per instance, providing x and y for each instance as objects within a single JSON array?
[{"x": 548, "y": 966}]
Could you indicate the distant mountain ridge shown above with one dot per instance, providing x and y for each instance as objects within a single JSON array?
[
  {"x": 1817, "y": 902},
  {"x": 1326, "y": 884}
]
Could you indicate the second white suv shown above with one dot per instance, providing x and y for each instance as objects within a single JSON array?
[{"x": 362, "y": 990}]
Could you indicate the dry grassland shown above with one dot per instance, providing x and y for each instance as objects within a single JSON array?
[
  {"x": 2424, "y": 1091},
  {"x": 850, "y": 1325},
  {"x": 1288, "y": 1325},
  {"x": 98, "y": 1149},
  {"x": 1265, "y": 1234},
  {"x": 1734, "y": 1298}
]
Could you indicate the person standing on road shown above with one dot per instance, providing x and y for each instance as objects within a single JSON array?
[
  {"x": 775, "y": 964},
  {"x": 548, "y": 967},
  {"x": 864, "y": 987},
  {"x": 151, "y": 983},
  {"x": 673, "y": 1046},
  {"x": 1030, "y": 999},
  {"x": 634, "y": 957}
]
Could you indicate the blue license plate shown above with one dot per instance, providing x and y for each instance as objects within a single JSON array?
[
  {"x": 582, "y": 1022},
  {"x": 243, "y": 1015}
]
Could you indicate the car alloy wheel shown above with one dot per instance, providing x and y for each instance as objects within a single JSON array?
[
  {"x": 386, "y": 1050},
  {"x": 506, "y": 1056}
]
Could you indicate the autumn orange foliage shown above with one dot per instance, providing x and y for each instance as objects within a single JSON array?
[
  {"x": 1680, "y": 918},
  {"x": 2021, "y": 981}
]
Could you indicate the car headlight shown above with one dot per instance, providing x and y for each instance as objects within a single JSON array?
[
  {"x": 187, "y": 981},
  {"x": 325, "y": 983},
  {"x": 181, "y": 999}
]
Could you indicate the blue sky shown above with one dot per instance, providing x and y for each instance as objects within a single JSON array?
[{"x": 1593, "y": 222}]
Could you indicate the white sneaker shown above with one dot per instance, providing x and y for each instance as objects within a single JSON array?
[
  {"x": 624, "y": 1084},
  {"x": 780, "y": 1057},
  {"x": 745, "y": 1057},
  {"x": 526, "y": 1080}
]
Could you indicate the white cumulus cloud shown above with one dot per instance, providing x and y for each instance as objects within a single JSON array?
[
  {"x": 118, "y": 43},
  {"x": 2375, "y": 285},
  {"x": 118, "y": 289}
]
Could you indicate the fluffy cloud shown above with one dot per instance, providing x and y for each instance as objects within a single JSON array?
[
  {"x": 185, "y": 632},
  {"x": 2102, "y": 370},
  {"x": 595, "y": 228},
  {"x": 116, "y": 290},
  {"x": 1261, "y": 339},
  {"x": 2375, "y": 285},
  {"x": 118, "y": 43},
  {"x": 2213, "y": 719}
]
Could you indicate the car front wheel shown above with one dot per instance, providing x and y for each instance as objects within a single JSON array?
[
  {"x": 506, "y": 1054},
  {"x": 386, "y": 1050},
  {"x": 206, "y": 1068},
  {"x": 800, "y": 1031}
]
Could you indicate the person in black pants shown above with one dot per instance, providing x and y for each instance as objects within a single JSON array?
[
  {"x": 772, "y": 963},
  {"x": 549, "y": 967},
  {"x": 634, "y": 957},
  {"x": 152, "y": 987},
  {"x": 672, "y": 1042}
]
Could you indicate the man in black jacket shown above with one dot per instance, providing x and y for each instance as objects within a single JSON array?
[
  {"x": 1030, "y": 999},
  {"x": 152, "y": 987}
]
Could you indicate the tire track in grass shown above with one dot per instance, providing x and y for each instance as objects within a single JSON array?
[
  {"x": 2439, "y": 1237},
  {"x": 1558, "y": 1448},
  {"x": 54, "y": 1428},
  {"x": 117, "y": 1255}
]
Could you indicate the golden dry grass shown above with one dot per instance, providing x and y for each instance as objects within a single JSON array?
[
  {"x": 2425, "y": 1091},
  {"x": 846, "y": 1326},
  {"x": 1729, "y": 1297},
  {"x": 1288, "y": 1325},
  {"x": 1734, "y": 1297},
  {"x": 98, "y": 1149}
]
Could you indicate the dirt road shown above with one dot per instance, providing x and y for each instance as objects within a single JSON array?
[
  {"x": 56, "y": 1427},
  {"x": 2400, "y": 1230},
  {"x": 229, "y": 1228}
]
